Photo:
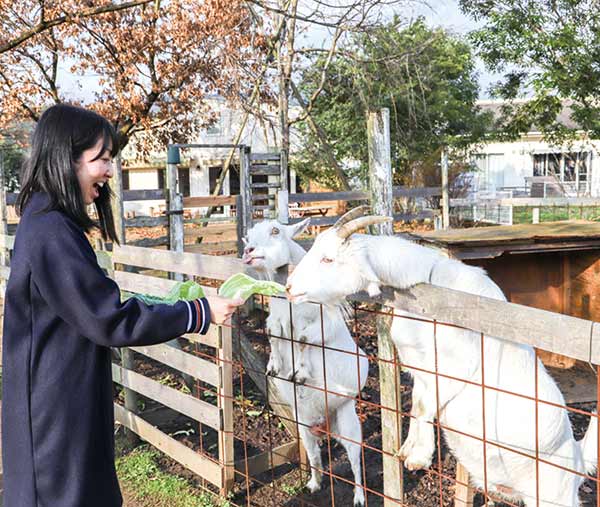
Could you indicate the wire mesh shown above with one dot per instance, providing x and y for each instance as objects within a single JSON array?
[{"x": 278, "y": 466}]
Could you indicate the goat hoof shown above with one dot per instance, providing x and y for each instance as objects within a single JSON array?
[
  {"x": 417, "y": 462},
  {"x": 404, "y": 450},
  {"x": 359, "y": 497},
  {"x": 299, "y": 379},
  {"x": 313, "y": 485}
]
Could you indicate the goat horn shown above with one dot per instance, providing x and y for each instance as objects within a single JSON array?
[
  {"x": 357, "y": 212},
  {"x": 360, "y": 223}
]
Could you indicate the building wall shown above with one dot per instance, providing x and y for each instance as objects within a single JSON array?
[{"x": 516, "y": 160}]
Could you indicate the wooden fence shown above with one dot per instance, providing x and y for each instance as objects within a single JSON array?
[{"x": 556, "y": 333}]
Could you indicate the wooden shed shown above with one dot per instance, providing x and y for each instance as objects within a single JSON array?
[{"x": 554, "y": 266}]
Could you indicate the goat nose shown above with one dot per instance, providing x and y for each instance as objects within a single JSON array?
[
  {"x": 249, "y": 249},
  {"x": 287, "y": 288}
]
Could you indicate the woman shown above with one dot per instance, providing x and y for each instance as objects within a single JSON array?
[{"x": 62, "y": 315}]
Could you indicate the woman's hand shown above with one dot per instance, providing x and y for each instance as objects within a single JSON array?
[{"x": 221, "y": 309}]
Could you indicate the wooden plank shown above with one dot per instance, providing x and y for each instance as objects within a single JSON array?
[
  {"x": 400, "y": 191},
  {"x": 265, "y": 156},
  {"x": 266, "y": 170},
  {"x": 204, "y": 202},
  {"x": 152, "y": 285},
  {"x": 144, "y": 221},
  {"x": 358, "y": 196},
  {"x": 198, "y": 410},
  {"x": 197, "y": 463},
  {"x": 216, "y": 267},
  {"x": 265, "y": 185},
  {"x": 225, "y": 401},
  {"x": 464, "y": 493},
  {"x": 144, "y": 195},
  {"x": 545, "y": 330},
  {"x": 280, "y": 455},
  {"x": 7, "y": 241},
  {"x": 328, "y": 220},
  {"x": 182, "y": 361},
  {"x": 150, "y": 242}
]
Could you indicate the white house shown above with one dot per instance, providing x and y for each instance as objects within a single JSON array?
[
  {"x": 513, "y": 165},
  {"x": 201, "y": 167}
]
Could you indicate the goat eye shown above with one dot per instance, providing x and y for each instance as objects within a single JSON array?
[
  {"x": 326, "y": 260},
  {"x": 274, "y": 231}
]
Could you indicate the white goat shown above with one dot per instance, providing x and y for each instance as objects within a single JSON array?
[
  {"x": 341, "y": 263},
  {"x": 270, "y": 246}
]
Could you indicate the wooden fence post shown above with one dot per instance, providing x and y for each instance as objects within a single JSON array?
[
  {"x": 445, "y": 191},
  {"x": 225, "y": 402},
  {"x": 380, "y": 183},
  {"x": 245, "y": 189},
  {"x": 116, "y": 184},
  {"x": 175, "y": 205},
  {"x": 127, "y": 360},
  {"x": 283, "y": 214}
]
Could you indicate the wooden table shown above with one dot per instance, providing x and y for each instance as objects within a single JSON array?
[{"x": 310, "y": 211}]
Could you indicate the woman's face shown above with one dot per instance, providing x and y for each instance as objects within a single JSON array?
[{"x": 93, "y": 174}]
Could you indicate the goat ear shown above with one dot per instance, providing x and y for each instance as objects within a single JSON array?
[{"x": 299, "y": 228}]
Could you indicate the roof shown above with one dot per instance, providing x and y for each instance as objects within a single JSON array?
[
  {"x": 491, "y": 241},
  {"x": 564, "y": 118}
]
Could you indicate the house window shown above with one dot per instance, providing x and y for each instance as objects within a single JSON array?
[
  {"x": 183, "y": 174},
  {"x": 491, "y": 171},
  {"x": 566, "y": 167},
  {"x": 234, "y": 179},
  {"x": 216, "y": 129}
]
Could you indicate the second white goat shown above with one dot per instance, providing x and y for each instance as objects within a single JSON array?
[{"x": 330, "y": 377}]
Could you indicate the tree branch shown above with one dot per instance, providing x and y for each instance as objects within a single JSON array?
[{"x": 43, "y": 25}]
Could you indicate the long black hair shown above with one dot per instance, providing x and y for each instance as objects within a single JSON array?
[{"x": 61, "y": 135}]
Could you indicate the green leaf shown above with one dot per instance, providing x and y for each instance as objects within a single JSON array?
[
  {"x": 243, "y": 286},
  {"x": 182, "y": 291}
]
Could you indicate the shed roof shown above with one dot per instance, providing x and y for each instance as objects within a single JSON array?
[{"x": 495, "y": 240}]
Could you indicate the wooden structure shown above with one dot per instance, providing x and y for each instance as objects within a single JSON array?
[{"x": 552, "y": 266}]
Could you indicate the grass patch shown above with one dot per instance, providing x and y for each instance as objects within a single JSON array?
[
  {"x": 524, "y": 215},
  {"x": 141, "y": 476}
]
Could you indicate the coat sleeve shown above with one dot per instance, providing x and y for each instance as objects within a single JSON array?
[{"x": 65, "y": 272}]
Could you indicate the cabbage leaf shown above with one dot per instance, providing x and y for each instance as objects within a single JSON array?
[{"x": 243, "y": 286}]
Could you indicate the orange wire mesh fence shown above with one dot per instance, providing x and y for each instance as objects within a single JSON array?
[{"x": 466, "y": 413}]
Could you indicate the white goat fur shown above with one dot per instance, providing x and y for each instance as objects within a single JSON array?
[
  {"x": 269, "y": 246},
  {"x": 335, "y": 268}
]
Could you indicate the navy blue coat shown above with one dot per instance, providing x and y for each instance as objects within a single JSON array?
[{"x": 61, "y": 316}]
